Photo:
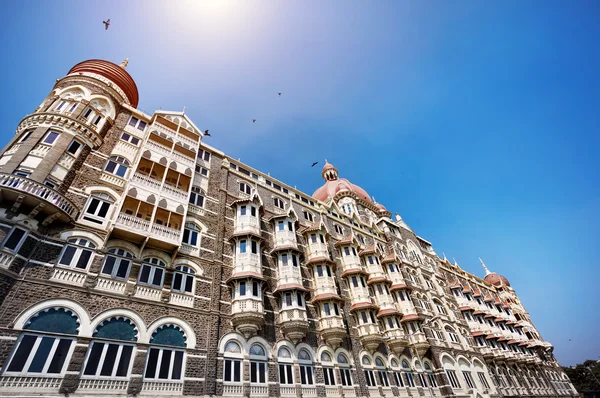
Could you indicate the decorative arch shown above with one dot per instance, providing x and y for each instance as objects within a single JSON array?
[
  {"x": 103, "y": 105},
  {"x": 286, "y": 345},
  {"x": 74, "y": 307},
  {"x": 132, "y": 316},
  {"x": 75, "y": 91},
  {"x": 198, "y": 271},
  {"x": 54, "y": 320},
  {"x": 184, "y": 327},
  {"x": 446, "y": 359},
  {"x": 82, "y": 234},
  {"x": 121, "y": 244},
  {"x": 342, "y": 353},
  {"x": 158, "y": 254},
  {"x": 264, "y": 343},
  {"x": 327, "y": 349},
  {"x": 117, "y": 328},
  {"x": 233, "y": 336},
  {"x": 109, "y": 191}
]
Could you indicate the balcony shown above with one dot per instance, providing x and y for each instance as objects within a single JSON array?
[
  {"x": 247, "y": 224},
  {"x": 184, "y": 300},
  {"x": 419, "y": 341},
  {"x": 175, "y": 193},
  {"x": 294, "y": 323},
  {"x": 288, "y": 274},
  {"x": 396, "y": 340},
  {"x": 247, "y": 262},
  {"x": 162, "y": 388},
  {"x": 351, "y": 263},
  {"x": 285, "y": 240},
  {"x": 166, "y": 234},
  {"x": 37, "y": 198},
  {"x": 111, "y": 285},
  {"x": 317, "y": 251},
  {"x": 145, "y": 182},
  {"x": 359, "y": 295},
  {"x": 247, "y": 315},
  {"x": 324, "y": 285},
  {"x": 100, "y": 386},
  {"x": 369, "y": 336},
  {"x": 70, "y": 277},
  {"x": 157, "y": 147},
  {"x": 332, "y": 329},
  {"x": 133, "y": 224},
  {"x": 148, "y": 293}
]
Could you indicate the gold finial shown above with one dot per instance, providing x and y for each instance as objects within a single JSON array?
[
  {"x": 487, "y": 271},
  {"x": 124, "y": 63}
]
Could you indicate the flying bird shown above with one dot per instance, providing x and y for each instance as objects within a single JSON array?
[
  {"x": 106, "y": 24},
  {"x": 314, "y": 164},
  {"x": 279, "y": 94},
  {"x": 253, "y": 120},
  {"x": 206, "y": 133}
]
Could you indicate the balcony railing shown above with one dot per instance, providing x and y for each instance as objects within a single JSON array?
[
  {"x": 111, "y": 285},
  {"x": 101, "y": 386},
  {"x": 316, "y": 250},
  {"x": 175, "y": 192},
  {"x": 148, "y": 293},
  {"x": 43, "y": 192},
  {"x": 247, "y": 262},
  {"x": 359, "y": 295},
  {"x": 247, "y": 223},
  {"x": 331, "y": 322},
  {"x": 184, "y": 300},
  {"x": 285, "y": 238},
  {"x": 158, "y": 148},
  {"x": 324, "y": 285},
  {"x": 288, "y": 274},
  {"x": 251, "y": 304},
  {"x": 292, "y": 314},
  {"x": 67, "y": 276},
  {"x": 351, "y": 262},
  {"x": 170, "y": 235},
  {"x": 133, "y": 223},
  {"x": 145, "y": 182},
  {"x": 368, "y": 329},
  {"x": 162, "y": 387}
]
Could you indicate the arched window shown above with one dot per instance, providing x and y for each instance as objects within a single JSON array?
[
  {"x": 111, "y": 359},
  {"x": 440, "y": 307},
  {"x": 381, "y": 372},
  {"x": 344, "y": 365},
  {"x": 258, "y": 364},
  {"x": 191, "y": 233},
  {"x": 166, "y": 363},
  {"x": 369, "y": 374},
  {"x": 152, "y": 272},
  {"x": 395, "y": 365},
  {"x": 98, "y": 207},
  {"x": 451, "y": 335},
  {"x": 430, "y": 375},
  {"x": 284, "y": 357},
  {"x": 117, "y": 165},
  {"x": 183, "y": 279},
  {"x": 328, "y": 373},
  {"x": 306, "y": 368},
  {"x": 39, "y": 353},
  {"x": 117, "y": 263},
  {"x": 197, "y": 197},
  {"x": 232, "y": 365},
  {"x": 77, "y": 254},
  {"x": 410, "y": 379}
]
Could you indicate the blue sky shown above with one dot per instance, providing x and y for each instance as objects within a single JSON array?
[{"x": 477, "y": 121}]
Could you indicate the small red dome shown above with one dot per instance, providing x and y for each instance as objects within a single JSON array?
[
  {"x": 496, "y": 279},
  {"x": 380, "y": 207},
  {"x": 112, "y": 72},
  {"x": 330, "y": 188}
]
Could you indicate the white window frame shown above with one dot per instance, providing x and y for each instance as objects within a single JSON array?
[
  {"x": 232, "y": 362},
  {"x": 191, "y": 233},
  {"x": 159, "y": 362},
  {"x": 153, "y": 267},
  {"x": 39, "y": 337},
  {"x": 25, "y": 136},
  {"x": 48, "y": 135},
  {"x": 119, "y": 259},
  {"x": 78, "y": 151},
  {"x": 102, "y": 198},
  {"x": 245, "y": 188},
  {"x": 136, "y": 124},
  {"x": 186, "y": 274},
  {"x": 80, "y": 245},
  {"x": 451, "y": 373},
  {"x": 120, "y": 163},
  {"x": 19, "y": 243},
  {"x": 203, "y": 171},
  {"x": 113, "y": 374},
  {"x": 279, "y": 203},
  {"x": 202, "y": 154},
  {"x": 130, "y": 139}
]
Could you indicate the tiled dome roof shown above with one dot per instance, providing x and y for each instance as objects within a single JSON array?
[
  {"x": 116, "y": 74},
  {"x": 496, "y": 279},
  {"x": 333, "y": 185}
]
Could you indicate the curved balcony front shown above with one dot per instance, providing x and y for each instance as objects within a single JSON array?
[
  {"x": 324, "y": 285},
  {"x": 38, "y": 200},
  {"x": 78, "y": 126},
  {"x": 294, "y": 323},
  {"x": 419, "y": 341},
  {"x": 246, "y": 224},
  {"x": 317, "y": 251},
  {"x": 285, "y": 240},
  {"x": 247, "y": 315},
  {"x": 288, "y": 275},
  {"x": 359, "y": 295},
  {"x": 247, "y": 263},
  {"x": 351, "y": 264},
  {"x": 332, "y": 329},
  {"x": 396, "y": 340},
  {"x": 370, "y": 336}
]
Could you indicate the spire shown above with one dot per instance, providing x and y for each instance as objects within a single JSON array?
[
  {"x": 487, "y": 271},
  {"x": 124, "y": 63},
  {"x": 444, "y": 254},
  {"x": 455, "y": 263},
  {"x": 329, "y": 172}
]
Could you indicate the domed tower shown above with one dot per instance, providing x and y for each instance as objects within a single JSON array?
[
  {"x": 494, "y": 278},
  {"x": 73, "y": 127}
]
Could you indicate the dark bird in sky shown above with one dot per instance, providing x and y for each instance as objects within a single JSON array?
[
  {"x": 314, "y": 164},
  {"x": 106, "y": 24},
  {"x": 253, "y": 120},
  {"x": 206, "y": 133},
  {"x": 279, "y": 94}
]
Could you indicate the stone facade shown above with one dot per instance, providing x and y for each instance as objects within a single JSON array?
[{"x": 136, "y": 260}]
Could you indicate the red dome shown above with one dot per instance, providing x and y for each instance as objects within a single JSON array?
[
  {"x": 380, "y": 207},
  {"x": 496, "y": 279},
  {"x": 330, "y": 188},
  {"x": 112, "y": 72}
]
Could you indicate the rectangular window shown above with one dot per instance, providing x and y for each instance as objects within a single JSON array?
[
  {"x": 452, "y": 377},
  {"x": 204, "y": 155},
  {"x": 253, "y": 211},
  {"x": 370, "y": 378},
  {"x": 245, "y": 188},
  {"x": 97, "y": 210},
  {"x": 190, "y": 237},
  {"x": 278, "y": 203},
  {"x": 108, "y": 360},
  {"x": 327, "y": 309},
  {"x": 329, "y": 376},
  {"x": 131, "y": 139},
  {"x": 410, "y": 380},
  {"x": 258, "y": 372},
  {"x": 164, "y": 364},
  {"x": 383, "y": 379},
  {"x": 242, "y": 246},
  {"x": 151, "y": 275},
  {"x": 202, "y": 170},
  {"x": 254, "y": 247},
  {"x": 288, "y": 299},
  {"x": 14, "y": 239},
  {"x": 232, "y": 371},
  {"x": 75, "y": 256},
  {"x": 306, "y": 375},
  {"x": 242, "y": 288},
  {"x": 398, "y": 377},
  {"x": 299, "y": 299},
  {"x": 74, "y": 148},
  {"x": 39, "y": 355},
  {"x": 468, "y": 379},
  {"x": 25, "y": 136},
  {"x": 116, "y": 267},
  {"x": 483, "y": 379},
  {"x": 345, "y": 377},
  {"x": 50, "y": 137},
  {"x": 255, "y": 289},
  {"x": 307, "y": 216},
  {"x": 285, "y": 374}
]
